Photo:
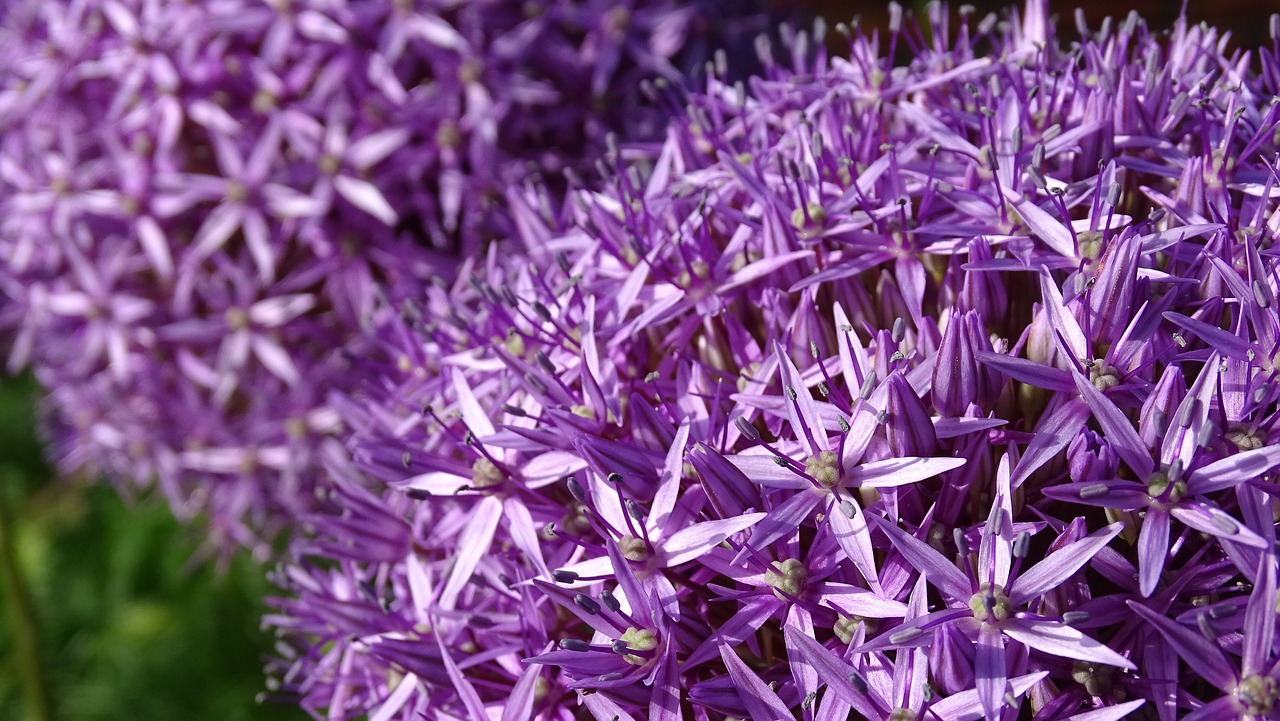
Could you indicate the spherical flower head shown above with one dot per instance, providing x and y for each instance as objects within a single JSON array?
[
  {"x": 204, "y": 203},
  {"x": 748, "y": 428}
]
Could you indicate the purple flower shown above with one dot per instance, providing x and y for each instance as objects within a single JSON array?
[
  {"x": 875, "y": 390},
  {"x": 203, "y": 205}
]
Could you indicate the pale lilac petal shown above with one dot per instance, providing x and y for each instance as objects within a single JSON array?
[
  {"x": 664, "y": 498},
  {"x": 989, "y": 669},
  {"x": 942, "y": 573},
  {"x": 1109, "y": 713},
  {"x": 1216, "y": 710},
  {"x": 1056, "y": 639},
  {"x": 461, "y": 686},
  {"x": 833, "y": 671},
  {"x": 398, "y": 698},
  {"x": 604, "y": 708},
  {"x": 1202, "y": 655},
  {"x": 155, "y": 245},
  {"x": 1153, "y": 546},
  {"x": 1049, "y": 229},
  {"x": 1260, "y": 619},
  {"x": 1180, "y": 440},
  {"x": 523, "y": 533},
  {"x": 965, "y": 706},
  {"x": 692, "y": 541},
  {"x": 781, "y": 522},
  {"x": 276, "y": 359},
  {"x": 761, "y": 268},
  {"x": 1214, "y": 521},
  {"x": 736, "y": 630},
  {"x": 257, "y": 238},
  {"x": 436, "y": 483},
  {"x": 806, "y": 422},
  {"x": 1060, "y": 565},
  {"x": 365, "y": 196},
  {"x": 473, "y": 544},
  {"x": 854, "y": 601},
  {"x": 473, "y": 415},
  {"x": 519, "y": 705},
  {"x": 1229, "y": 344},
  {"x": 854, "y": 538},
  {"x": 1233, "y": 470},
  {"x": 1053, "y": 434},
  {"x": 762, "y": 703},
  {"x": 899, "y": 471},
  {"x": 1119, "y": 431},
  {"x": 762, "y": 469},
  {"x": 216, "y": 230},
  {"x": 374, "y": 148},
  {"x": 664, "y": 705}
]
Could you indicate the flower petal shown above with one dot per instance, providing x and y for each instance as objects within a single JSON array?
[
  {"x": 942, "y": 573},
  {"x": 761, "y": 702},
  {"x": 893, "y": 472},
  {"x": 990, "y": 671},
  {"x": 365, "y": 196},
  {"x": 1060, "y": 565},
  {"x": 1056, "y": 639},
  {"x": 833, "y": 671},
  {"x": 1153, "y": 546},
  {"x": 692, "y": 541},
  {"x": 1202, "y": 655}
]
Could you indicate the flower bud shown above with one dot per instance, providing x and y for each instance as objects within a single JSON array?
[
  {"x": 984, "y": 292},
  {"x": 958, "y": 377},
  {"x": 1090, "y": 458},
  {"x": 1161, "y": 406},
  {"x": 1110, "y": 291},
  {"x": 907, "y": 426}
]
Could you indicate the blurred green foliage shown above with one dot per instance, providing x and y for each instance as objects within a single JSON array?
[{"x": 128, "y": 626}]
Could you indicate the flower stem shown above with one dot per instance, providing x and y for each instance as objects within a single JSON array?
[{"x": 23, "y": 621}]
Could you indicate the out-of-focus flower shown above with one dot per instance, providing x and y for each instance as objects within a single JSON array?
[
  {"x": 867, "y": 359},
  {"x": 202, "y": 204}
]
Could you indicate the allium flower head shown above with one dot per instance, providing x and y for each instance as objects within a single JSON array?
[
  {"x": 202, "y": 202},
  {"x": 943, "y": 390}
]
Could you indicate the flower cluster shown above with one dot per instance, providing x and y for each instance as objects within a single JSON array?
[
  {"x": 201, "y": 203},
  {"x": 943, "y": 390}
]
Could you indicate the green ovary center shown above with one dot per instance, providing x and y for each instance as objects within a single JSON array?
[
  {"x": 823, "y": 468},
  {"x": 990, "y": 604},
  {"x": 1159, "y": 487},
  {"x": 787, "y": 577},
  {"x": 1257, "y": 694},
  {"x": 633, "y": 549},
  {"x": 1104, "y": 376},
  {"x": 639, "y": 639},
  {"x": 845, "y": 627},
  {"x": 485, "y": 474}
]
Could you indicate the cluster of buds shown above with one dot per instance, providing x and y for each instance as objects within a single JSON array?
[
  {"x": 933, "y": 391},
  {"x": 202, "y": 203}
]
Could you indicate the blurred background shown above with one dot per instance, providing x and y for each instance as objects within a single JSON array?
[{"x": 105, "y": 610}]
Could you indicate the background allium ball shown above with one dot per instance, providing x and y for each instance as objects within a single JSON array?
[
  {"x": 201, "y": 202},
  {"x": 943, "y": 390}
]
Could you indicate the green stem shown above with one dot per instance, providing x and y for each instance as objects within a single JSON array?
[{"x": 23, "y": 620}]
